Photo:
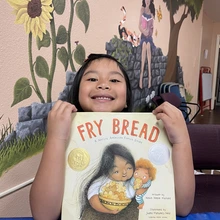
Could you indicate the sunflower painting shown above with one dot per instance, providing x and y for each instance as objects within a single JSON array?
[{"x": 33, "y": 14}]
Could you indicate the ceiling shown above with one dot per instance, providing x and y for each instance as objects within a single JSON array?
[{"x": 212, "y": 9}]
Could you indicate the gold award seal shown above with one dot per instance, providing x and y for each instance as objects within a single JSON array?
[{"x": 78, "y": 159}]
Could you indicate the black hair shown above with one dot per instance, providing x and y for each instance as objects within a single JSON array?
[
  {"x": 108, "y": 157},
  {"x": 73, "y": 96},
  {"x": 106, "y": 165},
  {"x": 151, "y": 6},
  {"x": 122, "y": 30}
]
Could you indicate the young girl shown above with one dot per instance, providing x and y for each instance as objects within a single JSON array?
[
  {"x": 101, "y": 84},
  {"x": 116, "y": 168},
  {"x": 146, "y": 26}
]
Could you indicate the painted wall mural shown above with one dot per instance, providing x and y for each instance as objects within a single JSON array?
[
  {"x": 146, "y": 65},
  {"x": 136, "y": 48},
  {"x": 34, "y": 14},
  {"x": 151, "y": 68},
  {"x": 191, "y": 8}
]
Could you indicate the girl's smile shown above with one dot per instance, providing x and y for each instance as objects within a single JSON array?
[{"x": 103, "y": 87}]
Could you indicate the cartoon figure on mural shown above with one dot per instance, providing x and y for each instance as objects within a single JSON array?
[
  {"x": 146, "y": 25},
  {"x": 112, "y": 181},
  {"x": 144, "y": 174},
  {"x": 125, "y": 33}
]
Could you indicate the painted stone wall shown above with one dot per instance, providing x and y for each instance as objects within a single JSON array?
[{"x": 132, "y": 62}]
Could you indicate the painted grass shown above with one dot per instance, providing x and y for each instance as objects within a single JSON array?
[
  {"x": 5, "y": 130},
  {"x": 16, "y": 151}
]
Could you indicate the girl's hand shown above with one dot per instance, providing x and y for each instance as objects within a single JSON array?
[
  {"x": 146, "y": 32},
  {"x": 173, "y": 121},
  {"x": 59, "y": 120}
]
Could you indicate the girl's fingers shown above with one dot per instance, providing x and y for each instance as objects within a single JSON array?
[
  {"x": 173, "y": 121},
  {"x": 166, "y": 108},
  {"x": 59, "y": 120},
  {"x": 61, "y": 107},
  {"x": 56, "y": 105},
  {"x": 167, "y": 111}
]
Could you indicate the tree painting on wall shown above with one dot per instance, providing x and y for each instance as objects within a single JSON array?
[{"x": 191, "y": 8}]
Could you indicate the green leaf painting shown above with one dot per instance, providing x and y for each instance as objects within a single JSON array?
[
  {"x": 22, "y": 90},
  {"x": 79, "y": 54},
  {"x": 83, "y": 13}
]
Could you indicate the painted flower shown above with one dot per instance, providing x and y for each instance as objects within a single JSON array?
[{"x": 34, "y": 14}]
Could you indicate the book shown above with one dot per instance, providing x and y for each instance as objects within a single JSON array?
[
  {"x": 146, "y": 157},
  {"x": 146, "y": 22}
]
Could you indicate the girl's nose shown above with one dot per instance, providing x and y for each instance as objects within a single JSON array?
[{"x": 103, "y": 86}]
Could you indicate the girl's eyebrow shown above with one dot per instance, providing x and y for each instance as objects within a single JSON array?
[{"x": 96, "y": 72}]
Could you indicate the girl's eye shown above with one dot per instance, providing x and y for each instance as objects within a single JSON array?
[
  {"x": 92, "y": 79},
  {"x": 114, "y": 80},
  {"x": 144, "y": 177},
  {"x": 116, "y": 172}
]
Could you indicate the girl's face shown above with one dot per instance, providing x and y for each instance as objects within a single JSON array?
[
  {"x": 147, "y": 2},
  {"x": 103, "y": 87},
  {"x": 122, "y": 170},
  {"x": 142, "y": 174}
]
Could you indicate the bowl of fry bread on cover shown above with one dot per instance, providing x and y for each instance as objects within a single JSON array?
[{"x": 113, "y": 196}]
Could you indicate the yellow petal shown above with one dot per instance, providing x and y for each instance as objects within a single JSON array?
[
  {"x": 27, "y": 26},
  {"x": 22, "y": 13},
  {"x": 32, "y": 28},
  {"x": 37, "y": 23},
  {"x": 42, "y": 25},
  {"x": 44, "y": 16},
  {"x": 40, "y": 35},
  {"x": 46, "y": 2},
  {"x": 17, "y": 4},
  {"x": 47, "y": 8},
  {"x": 47, "y": 13},
  {"x": 38, "y": 32}
]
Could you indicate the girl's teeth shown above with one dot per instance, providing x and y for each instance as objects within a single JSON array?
[{"x": 106, "y": 98}]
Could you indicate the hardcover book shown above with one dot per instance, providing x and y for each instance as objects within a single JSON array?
[
  {"x": 146, "y": 22},
  {"x": 118, "y": 164}
]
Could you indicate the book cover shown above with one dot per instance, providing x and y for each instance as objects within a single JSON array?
[
  {"x": 146, "y": 185},
  {"x": 146, "y": 22}
]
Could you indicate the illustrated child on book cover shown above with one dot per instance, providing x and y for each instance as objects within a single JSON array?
[
  {"x": 110, "y": 190},
  {"x": 144, "y": 174}
]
